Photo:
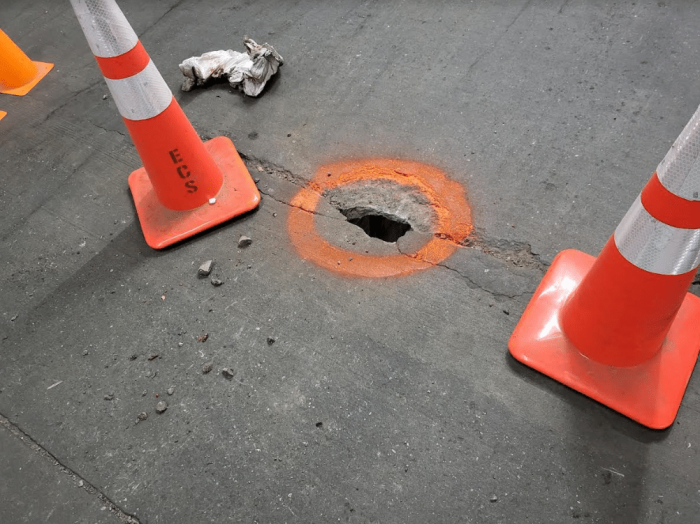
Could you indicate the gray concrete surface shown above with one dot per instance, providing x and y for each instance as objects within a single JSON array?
[
  {"x": 390, "y": 400},
  {"x": 35, "y": 488}
]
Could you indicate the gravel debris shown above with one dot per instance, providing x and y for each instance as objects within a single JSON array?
[
  {"x": 244, "y": 241},
  {"x": 228, "y": 373},
  {"x": 270, "y": 340},
  {"x": 206, "y": 368},
  {"x": 142, "y": 416},
  {"x": 171, "y": 390},
  {"x": 216, "y": 282},
  {"x": 205, "y": 268},
  {"x": 109, "y": 396},
  {"x": 161, "y": 406}
]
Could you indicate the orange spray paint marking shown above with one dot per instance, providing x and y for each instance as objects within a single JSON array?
[{"x": 446, "y": 197}]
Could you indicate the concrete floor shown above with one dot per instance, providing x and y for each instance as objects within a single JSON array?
[{"x": 380, "y": 400}]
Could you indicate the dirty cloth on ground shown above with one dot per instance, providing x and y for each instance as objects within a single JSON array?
[{"x": 247, "y": 71}]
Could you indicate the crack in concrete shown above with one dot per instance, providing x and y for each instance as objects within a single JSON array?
[
  {"x": 109, "y": 130},
  {"x": 160, "y": 18},
  {"x": 473, "y": 283},
  {"x": 69, "y": 100},
  {"x": 514, "y": 253},
  {"x": 49, "y": 457},
  {"x": 299, "y": 207}
]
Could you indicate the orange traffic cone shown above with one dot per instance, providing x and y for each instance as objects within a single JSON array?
[
  {"x": 623, "y": 328},
  {"x": 185, "y": 186},
  {"x": 18, "y": 74},
  {"x": 3, "y": 114}
]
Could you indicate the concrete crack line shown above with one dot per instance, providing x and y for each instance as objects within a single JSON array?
[
  {"x": 493, "y": 293},
  {"x": 109, "y": 130},
  {"x": 465, "y": 277},
  {"x": 175, "y": 5},
  {"x": 70, "y": 99},
  {"x": 77, "y": 479},
  {"x": 299, "y": 207}
]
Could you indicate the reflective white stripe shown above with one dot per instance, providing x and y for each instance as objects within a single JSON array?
[
  {"x": 106, "y": 28},
  {"x": 654, "y": 246},
  {"x": 679, "y": 171},
  {"x": 141, "y": 96}
]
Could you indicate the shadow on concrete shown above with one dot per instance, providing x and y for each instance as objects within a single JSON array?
[{"x": 606, "y": 452}]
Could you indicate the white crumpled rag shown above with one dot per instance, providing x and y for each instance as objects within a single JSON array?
[{"x": 248, "y": 71}]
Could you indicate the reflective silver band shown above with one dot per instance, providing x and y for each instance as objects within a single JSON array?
[
  {"x": 679, "y": 171},
  {"x": 141, "y": 96},
  {"x": 654, "y": 246},
  {"x": 106, "y": 28}
]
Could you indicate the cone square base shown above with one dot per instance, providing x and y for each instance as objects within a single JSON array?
[
  {"x": 43, "y": 69},
  {"x": 163, "y": 227},
  {"x": 649, "y": 393}
]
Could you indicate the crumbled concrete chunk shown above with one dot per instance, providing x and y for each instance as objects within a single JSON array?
[{"x": 205, "y": 268}]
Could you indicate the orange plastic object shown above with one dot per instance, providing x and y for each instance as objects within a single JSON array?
[
  {"x": 163, "y": 226},
  {"x": 3, "y": 114},
  {"x": 18, "y": 74},
  {"x": 648, "y": 382},
  {"x": 183, "y": 174}
]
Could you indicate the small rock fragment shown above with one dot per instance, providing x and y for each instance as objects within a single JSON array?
[
  {"x": 270, "y": 340},
  {"x": 133, "y": 357},
  {"x": 203, "y": 338},
  {"x": 85, "y": 353},
  {"x": 161, "y": 406},
  {"x": 144, "y": 393},
  {"x": 216, "y": 282},
  {"x": 206, "y": 368},
  {"x": 104, "y": 97},
  {"x": 171, "y": 390},
  {"x": 142, "y": 416},
  {"x": 228, "y": 373},
  {"x": 180, "y": 344},
  {"x": 250, "y": 266},
  {"x": 109, "y": 396},
  {"x": 15, "y": 317},
  {"x": 153, "y": 356},
  {"x": 205, "y": 268},
  {"x": 494, "y": 498},
  {"x": 244, "y": 241}
]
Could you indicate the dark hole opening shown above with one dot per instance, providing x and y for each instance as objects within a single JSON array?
[{"x": 378, "y": 226}]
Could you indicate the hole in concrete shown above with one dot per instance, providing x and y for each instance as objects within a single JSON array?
[{"x": 386, "y": 228}]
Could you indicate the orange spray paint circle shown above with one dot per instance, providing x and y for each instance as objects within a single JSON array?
[{"x": 445, "y": 196}]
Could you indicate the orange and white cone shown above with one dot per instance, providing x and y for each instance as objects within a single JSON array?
[
  {"x": 623, "y": 328},
  {"x": 18, "y": 74},
  {"x": 186, "y": 186}
]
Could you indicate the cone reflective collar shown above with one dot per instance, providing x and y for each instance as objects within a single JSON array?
[
  {"x": 622, "y": 328},
  {"x": 185, "y": 186},
  {"x": 18, "y": 74}
]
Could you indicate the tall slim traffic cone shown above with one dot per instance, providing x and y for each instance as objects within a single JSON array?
[
  {"x": 186, "y": 186},
  {"x": 18, "y": 74},
  {"x": 623, "y": 328}
]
